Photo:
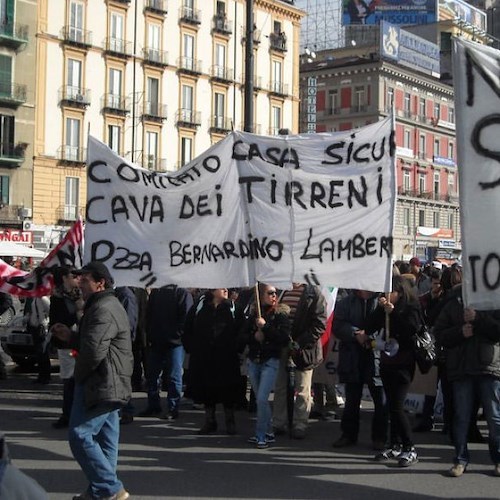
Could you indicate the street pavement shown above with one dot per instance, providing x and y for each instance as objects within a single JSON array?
[{"x": 163, "y": 460}]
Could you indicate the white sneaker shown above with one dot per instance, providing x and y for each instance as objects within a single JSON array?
[{"x": 408, "y": 457}]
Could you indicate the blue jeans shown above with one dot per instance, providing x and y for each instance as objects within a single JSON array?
[
  {"x": 263, "y": 377},
  {"x": 93, "y": 439},
  {"x": 169, "y": 359},
  {"x": 464, "y": 392}
]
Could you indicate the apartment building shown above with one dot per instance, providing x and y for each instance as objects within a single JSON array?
[{"x": 159, "y": 81}]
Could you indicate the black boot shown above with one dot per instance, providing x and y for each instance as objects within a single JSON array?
[
  {"x": 230, "y": 421},
  {"x": 210, "y": 425}
]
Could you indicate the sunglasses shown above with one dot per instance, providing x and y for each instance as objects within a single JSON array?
[{"x": 272, "y": 293}]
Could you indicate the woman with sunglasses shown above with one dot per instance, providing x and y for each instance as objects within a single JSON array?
[{"x": 266, "y": 335}]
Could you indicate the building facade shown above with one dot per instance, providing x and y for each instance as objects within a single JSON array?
[{"x": 159, "y": 81}]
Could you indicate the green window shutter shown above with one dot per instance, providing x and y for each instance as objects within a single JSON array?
[
  {"x": 4, "y": 189},
  {"x": 5, "y": 75}
]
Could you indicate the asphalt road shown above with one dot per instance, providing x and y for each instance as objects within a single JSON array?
[{"x": 161, "y": 460}]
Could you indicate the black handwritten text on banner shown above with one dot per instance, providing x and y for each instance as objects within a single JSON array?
[
  {"x": 477, "y": 96},
  {"x": 275, "y": 209}
]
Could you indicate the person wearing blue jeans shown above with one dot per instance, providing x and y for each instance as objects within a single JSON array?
[
  {"x": 166, "y": 313},
  {"x": 266, "y": 333},
  {"x": 472, "y": 345}
]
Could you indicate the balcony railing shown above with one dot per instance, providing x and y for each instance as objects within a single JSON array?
[
  {"x": 155, "y": 57},
  {"x": 154, "y": 111},
  {"x": 12, "y": 154},
  {"x": 427, "y": 195},
  {"x": 220, "y": 123},
  {"x": 360, "y": 108},
  {"x": 333, "y": 111},
  {"x": 77, "y": 36},
  {"x": 256, "y": 128},
  {"x": 220, "y": 24},
  {"x": 273, "y": 130},
  {"x": 189, "y": 65},
  {"x": 151, "y": 162},
  {"x": 12, "y": 94},
  {"x": 278, "y": 87},
  {"x": 156, "y": 6},
  {"x": 189, "y": 15},
  {"x": 68, "y": 213},
  {"x": 72, "y": 154},
  {"x": 221, "y": 73},
  {"x": 117, "y": 47},
  {"x": 277, "y": 41},
  {"x": 74, "y": 96},
  {"x": 116, "y": 104},
  {"x": 187, "y": 118},
  {"x": 14, "y": 35},
  {"x": 257, "y": 34}
]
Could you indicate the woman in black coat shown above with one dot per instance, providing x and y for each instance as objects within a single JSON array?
[
  {"x": 397, "y": 370},
  {"x": 211, "y": 339}
]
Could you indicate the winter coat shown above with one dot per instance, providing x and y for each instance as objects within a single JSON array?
[
  {"x": 104, "y": 363},
  {"x": 276, "y": 334},
  {"x": 127, "y": 299},
  {"x": 477, "y": 355},
  {"x": 307, "y": 328},
  {"x": 356, "y": 363},
  {"x": 211, "y": 339},
  {"x": 166, "y": 314}
]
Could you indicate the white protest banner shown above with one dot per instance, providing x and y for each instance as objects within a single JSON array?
[
  {"x": 477, "y": 97},
  {"x": 317, "y": 208}
]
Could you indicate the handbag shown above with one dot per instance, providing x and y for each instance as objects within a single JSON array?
[{"x": 425, "y": 349}]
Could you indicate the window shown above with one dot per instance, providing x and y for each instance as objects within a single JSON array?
[
  {"x": 153, "y": 95},
  {"x": 154, "y": 41},
  {"x": 5, "y": 75},
  {"x": 437, "y": 147},
  {"x": 188, "y": 51},
  {"x": 277, "y": 80},
  {"x": 117, "y": 36},
  {"x": 451, "y": 115},
  {"x": 421, "y": 107},
  {"x": 219, "y": 109},
  {"x": 114, "y": 137},
  {"x": 76, "y": 23},
  {"x": 186, "y": 150},
  {"x": 74, "y": 78},
  {"x": 436, "y": 184},
  {"x": 406, "y": 221},
  {"x": 71, "y": 198},
  {"x": 421, "y": 183},
  {"x": 115, "y": 88},
  {"x": 4, "y": 189},
  {"x": 437, "y": 111},
  {"x": 406, "y": 180},
  {"x": 7, "y": 124},
  {"x": 421, "y": 146},
  {"x": 451, "y": 184},
  {"x": 451, "y": 220},
  {"x": 7, "y": 14},
  {"x": 220, "y": 60},
  {"x": 407, "y": 139},
  {"x": 451, "y": 152},
  {"x": 333, "y": 100},
  {"x": 151, "y": 150},
  {"x": 277, "y": 27},
  {"x": 221, "y": 8},
  {"x": 389, "y": 98},
  {"x": 188, "y": 6},
  {"x": 72, "y": 139},
  {"x": 359, "y": 98},
  {"x": 187, "y": 103},
  {"x": 276, "y": 119},
  {"x": 421, "y": 217},
  {"x": 407, "y": 104},
  {"x": 435, "y": 219}
]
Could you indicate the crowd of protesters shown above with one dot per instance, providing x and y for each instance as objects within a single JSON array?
[{"x": 190, "y": 343}]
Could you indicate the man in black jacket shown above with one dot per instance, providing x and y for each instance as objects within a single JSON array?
[{"x": 165, "y": 316}]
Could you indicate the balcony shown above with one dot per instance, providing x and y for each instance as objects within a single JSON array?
[
  {"x": 277, "y": 41},
  {"x": 256, "y": 128},
  {"x": 333, "y": 111},
  {"x": 151, "y": 162},
  {"x": 117, "y": 47},
  {"x": 77, "y": 36},
  {"x": 360, "y": 108},
  {"x": 189, "y": 15},
  {"x": 72, "y": 155},
  {"x": 155, "y": 57},
  {"x": 422, "y": 118},
  {"x": 221, "y": 73},
  {"x": 68, "y": 213},
  {"x": 220, "y": 124},
  {"x": 221, "y": 25},
  {"x": 156, "y": 7},
  {"x": 189, "y": 65},
  {"x": 155, "y": 112},
  {"x": 257, "y": 34},
  {"x": 125, "y": 2},
  {"x": 13, "y": 35},
  {"x": 76, "y": 97},
  {"x": 187, "y": 118},
  {"x": 278, "y": 88},
  {"x": 114, "y": 104},
  {"x": 12, "y": 155},
  {"x": 12, "y": 94}
]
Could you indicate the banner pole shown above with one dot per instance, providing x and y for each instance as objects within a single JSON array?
[{"x": 257, "y": 300}]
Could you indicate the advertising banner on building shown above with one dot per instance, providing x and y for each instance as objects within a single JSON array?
[
  {"x": 401, "y": 12},
  {"x": 408, "y": 49},
  {"x": 477, "y": 103},
  {"x": 462, "y": 11},
  {"x": 315, "y": 208}
]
